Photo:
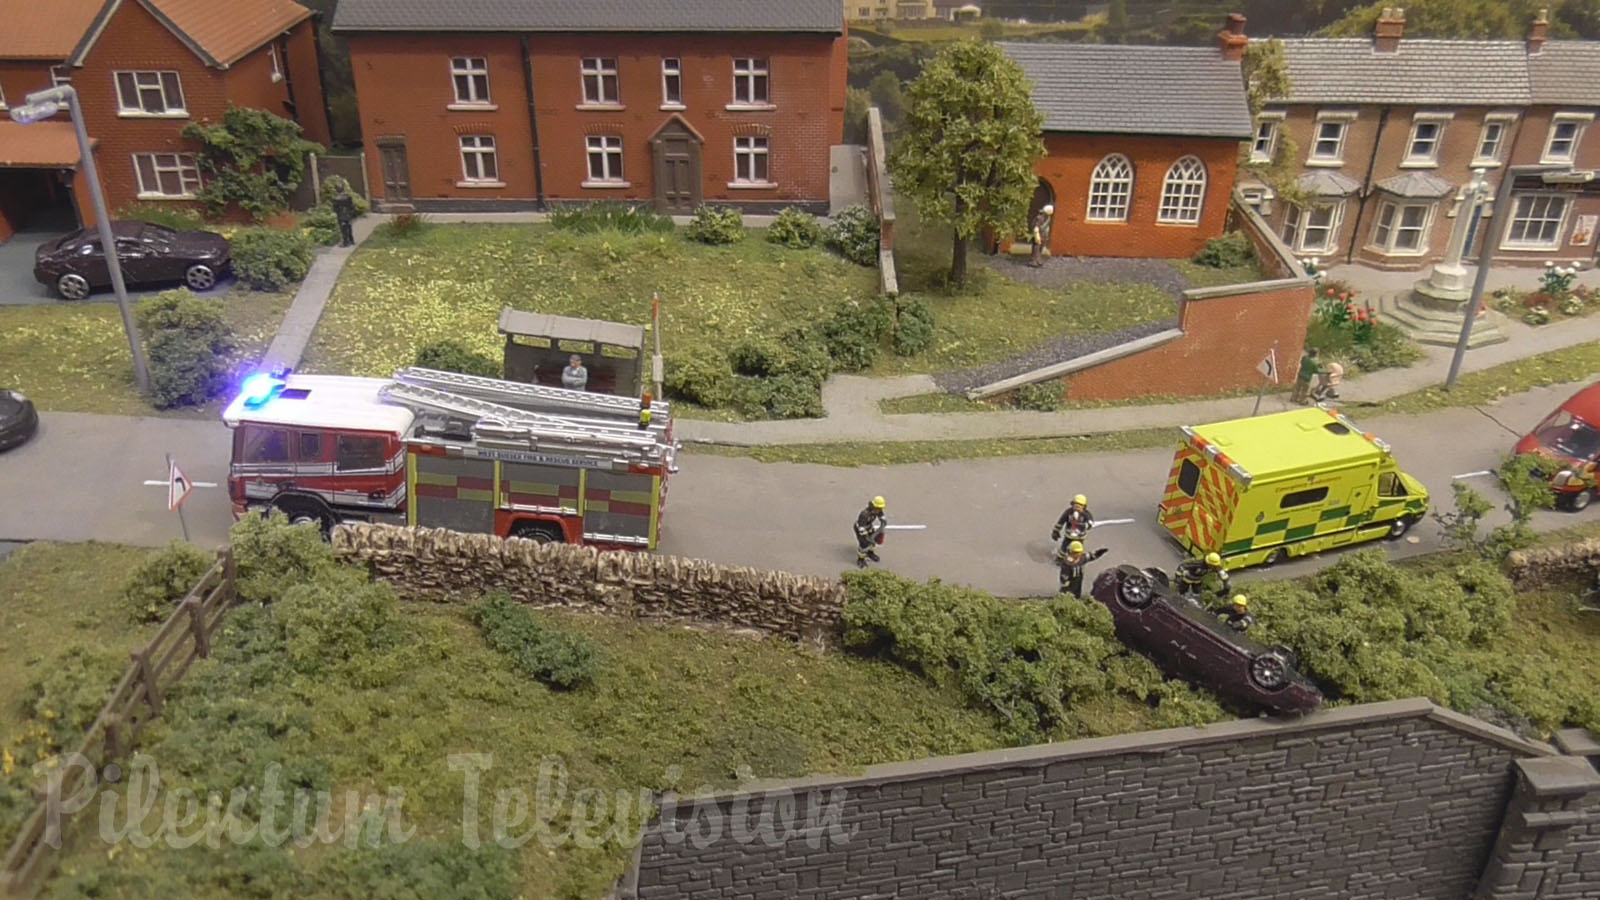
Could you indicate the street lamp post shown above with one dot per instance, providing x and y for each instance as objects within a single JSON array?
[{"x": 43, "y": 105}]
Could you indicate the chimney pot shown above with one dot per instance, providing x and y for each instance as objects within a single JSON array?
[
  {"x": 1539, "y": 31},
  {"x": 1231, "y": 39},
  {"x": 1390, "y": 28}
]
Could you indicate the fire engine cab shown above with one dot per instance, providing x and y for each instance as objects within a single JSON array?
[{"x": 445, "y": 450}]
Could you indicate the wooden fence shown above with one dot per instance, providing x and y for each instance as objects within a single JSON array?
[{"x": 183, "y": 638}]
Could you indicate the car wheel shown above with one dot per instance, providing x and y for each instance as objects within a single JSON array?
[
  {"x": 1275, "y": 557},
  {"x": 1577, "y": 501},
  {"x": 539, "y": 532},
  {"x": 72, "y": 286},
  {"x": 306, "y": 511},
  {"x": 200, "y": 277},
  {"x": 1136, "y": 590},
  {"x": 1270, "y": 670},
  {"x": 1399, "y": 527}
]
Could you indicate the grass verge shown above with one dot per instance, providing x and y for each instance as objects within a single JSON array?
[
  {"x": 74, "y": 357},
  {"x": 854, "y": 454},
  {"x": 1210, "y": 276},
  {"x": 1491, "y": 384}
]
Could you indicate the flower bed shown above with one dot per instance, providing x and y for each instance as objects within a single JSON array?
[
  {"x": 1557, "y": 297},
  {"x": 1348, "y": 331}
]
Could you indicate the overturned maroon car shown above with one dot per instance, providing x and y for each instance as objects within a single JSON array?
[{"x": 1186, "y": 640}]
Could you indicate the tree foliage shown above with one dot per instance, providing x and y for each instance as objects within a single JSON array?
[
  {"x": 1464, "y": 19},
  {"x": 252, "y": 160},
  {"x": 1266, "y": 75},
  {"x": 972, "y": 135}
]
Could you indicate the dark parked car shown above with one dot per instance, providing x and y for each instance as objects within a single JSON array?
[
  {"x": 1185, "y": 639},
  {"x": 74, "y": 264},
  {"x": 18, "y": 419}
]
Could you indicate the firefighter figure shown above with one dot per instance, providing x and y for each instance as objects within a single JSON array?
[
  {"x": 869, "y": 532},
  {"x": 1070, "y": 562},
  {"x": 1236, "y": 614},
  {"x": 1189, "y": 578},
  {"x": 1075, "y": 522},
  {"x": 344, "y": 209}
]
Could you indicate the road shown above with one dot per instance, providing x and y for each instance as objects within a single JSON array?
[{"x": 83, "y": 478}]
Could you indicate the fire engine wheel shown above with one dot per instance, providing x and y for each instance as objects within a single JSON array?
[
  {"x": 200, "y": 277},
  {"x": 1578, "y": 501},
  {"x": 1136, "y": 590},
  {"x": 306, "y": 511},
  {"x": 72, "y": 286},
  {"x": 1399, "y": 527},
  {"x": 1270, "y": 670},
  {"x": 539, "y": 532}
]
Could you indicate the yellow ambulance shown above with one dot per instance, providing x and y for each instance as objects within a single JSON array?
[{"x": 1260, "y": 490}]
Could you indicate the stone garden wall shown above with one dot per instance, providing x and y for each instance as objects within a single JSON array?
[{"x": 1544, "y": 566}]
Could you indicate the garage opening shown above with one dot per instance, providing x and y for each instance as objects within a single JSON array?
[{"x": 37, "y": 202}]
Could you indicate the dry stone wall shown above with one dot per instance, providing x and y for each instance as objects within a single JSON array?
[
  {"x": 436, "y": 564},
  {"x": 1544, "y": 565}
]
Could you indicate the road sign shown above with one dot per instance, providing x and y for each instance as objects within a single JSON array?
[
  {"x": 1269, "y": 366},
  {"x": 178, "y": 486}
]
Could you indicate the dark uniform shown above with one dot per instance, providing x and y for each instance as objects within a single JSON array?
[
  {"x": 1190, "y": 577},
  {"x": 869, "y": 532},
  {"x": 1075, "y": 523},
  {"x": 344, "y": 207},
  {"x": 1236, "y": 617},
  {"x": 1069, "y": 566}
]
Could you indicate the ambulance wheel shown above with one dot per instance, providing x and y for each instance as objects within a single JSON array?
[
  {"x": 1275, "y": 557},
  {"x": 306, "y": 511},
  {"x": 1136, "y": 590},
  {"x": 539, "y": 532},
  {"x": 1270, "y": 670},
  {"x": 1399, "y": 527}
]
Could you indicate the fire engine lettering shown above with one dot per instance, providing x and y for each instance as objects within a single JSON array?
[{"x": 545, "y": 459}]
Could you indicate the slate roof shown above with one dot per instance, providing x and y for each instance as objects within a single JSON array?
[
  {"x": 590, "y": 15},
  {"x": 1417, "y": 184},
  {"x": 1325, "y": 183},
  {"x": 1566, "y": 72},
  {"x": 1349, "y": 70},
  {"x": 1189, "y": 91}
]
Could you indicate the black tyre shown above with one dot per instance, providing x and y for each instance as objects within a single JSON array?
[
  {"x": 1136, "y": 591},
  {"x": 1270, "y": 670},
  {"x": 1275, "y": 557},
  {"x": 200, "y": 277},
  {"x": 539, "y": 532},
  {"x": 303, "y": 510},
  {"x": 1578, "y": 501},
  {"x": 1399, "y": 527}
]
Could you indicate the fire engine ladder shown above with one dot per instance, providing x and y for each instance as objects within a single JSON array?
[
  {"x": 498, "y": 425},
  {"x": 531, "y": 396}
]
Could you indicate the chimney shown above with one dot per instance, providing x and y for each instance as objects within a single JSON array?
[
  {"x": 1391, "y": 25},
  {"x": 1231, "y": 39},
  {"x": 1539, "y": 31}
]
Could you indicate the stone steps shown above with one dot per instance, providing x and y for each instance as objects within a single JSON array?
[{"x": 1438, "y": 327}]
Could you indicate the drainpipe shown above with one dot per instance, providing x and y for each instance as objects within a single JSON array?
[
  {"x": 288, "y": 79},
  {"x": 533, "y": 121},
  {"x": 1366, "y": 187}
]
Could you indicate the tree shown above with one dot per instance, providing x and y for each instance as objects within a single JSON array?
[
  {"x": 252, "y": 159},
  {"x": 889, "y": 97},
  {"x": 965, "y": 156},
  {"x": 1266, "y": 76},
  {"x": 1117, "y": 20},
  {"x": 1461, "y": 19}
]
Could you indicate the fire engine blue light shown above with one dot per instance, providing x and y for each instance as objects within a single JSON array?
[{"x": 259, "y": 388}]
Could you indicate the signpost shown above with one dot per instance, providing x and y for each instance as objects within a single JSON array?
[
  {"x": 178, "y": 489},
  {"x": 1268, "y": 368},
  {"x": 655, "y": 330}
]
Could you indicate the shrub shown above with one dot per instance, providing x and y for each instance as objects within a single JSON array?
[
  {"x": 795, "y": 228},
  {"x": 1572, "y": 306},
  {"x": 334, "y": 185},
  {"x": 853, "y": 234},
  {"x": 271, "y": 556},
  {"x": 800, "y": 353},
  {"x": 1537, "y": 300},
  {"x": 716, "y": 225},
  {"x": 335, "y": 620},
  {"x": 251, "y": 159},
  {"x": 560, "y": 660},
  {"x": 162, "y": 579},
  {"x": 1046, "y": 397},
  {"x": 1230, "y": 250},
  {"x": 1557, "y": 280},
  {"x": 790, "y": 396},
  {"x": 913, "y": 327},
  {"x": 754, "y": 356},
  {"x": 454, "y": 356},
  {"x": 1386, "y": 348},
  {"x": 70, "y": 691},
  {"x": 187, "y": 342},
  {"x": 700, "y": 375},
  {"x": 1539, "y": 315},
  {"x": 321, "y": 225},
  {"x": 618, "y": 217},
  {"x": 182, "y": 219},
  {"x": 424, "y": 868},
  {"x": 405, "y": 225},
  {"x": 270, "y": 260},
  {"x": 991, "y": 29},
  {"x": 855, "y": 332}
]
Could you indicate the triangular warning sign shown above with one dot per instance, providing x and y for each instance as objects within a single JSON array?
[
  {"x": 178, "y": 487},
  {"x": 1269, "y": 366}
]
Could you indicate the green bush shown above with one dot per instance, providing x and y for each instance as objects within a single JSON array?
[
  {"x": 913, "y": 327},
  {"x": 1387, "y": 348},
  {"x": 755, "y": 356},
  {"x": 180, "y": 218},
  {"x": 1045, "y": 397},
  {"x": 618, "y": 217},
  {"x": 700, "y": 375},
  {"x": 799, "y": 352},
  {"x": 853, "y": 234},
  {"x": 162, "y": 579},
  {"x": 795, "y": 228},
  {"x": 991, "y": 29},
  {"x": 453, "y": 356},
  {"x": 560, "y": 660},
  {"x": 187, "y": 342},
  {"x": 855, "y": 332},
  {"x": 321, "y": 225},
  {"x": 716, "y": 225},
  {"x": 1228, "y": 251},
  {"x": 70, "y": 691},
  {"x": 790, "y": 396},
  {"x": 405, "y": 225},
  {"x": 335, "y": 620},
  {"x": 268, "y": 259},
  {"x": 424, "y": 870},
  {"x": 271, "y": 556},
  {"x": 334, "y": 185}
]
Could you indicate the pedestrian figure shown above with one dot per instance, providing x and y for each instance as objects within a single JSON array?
[
  {"x": 1309, "y": 369},
  {"x": 344, "y": 208},
  {"x": 1075, "y": 522},
  {"x": 1069, "y": 565},
  {"x": 869, "y": 532},
  {"x": 1189, "y": 578},
  {"x": 1041, "y": 235},
  {"x": 1327, "y": 387},
  {"x": 1237, "y": 614},
  {"x": 575, "y": 377}
]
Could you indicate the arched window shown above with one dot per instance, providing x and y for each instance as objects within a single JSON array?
[
  {"x": 1109, "y": 189},
  {"x": 1183, "y": 193}
]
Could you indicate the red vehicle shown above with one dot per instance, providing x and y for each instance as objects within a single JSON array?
[
  {"x": 444, "y": 450},
  {"x": 1567, "y": 444}
]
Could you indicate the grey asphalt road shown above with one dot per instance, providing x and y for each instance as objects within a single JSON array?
[{"x": 82, "y": 478}]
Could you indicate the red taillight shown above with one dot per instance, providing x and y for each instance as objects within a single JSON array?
[{"x": 1224, "y": 461}]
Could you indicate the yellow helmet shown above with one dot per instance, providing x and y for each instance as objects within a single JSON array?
[
  {"x": 1080, "y": 500},
  {"x": 1075, "y": 547},
  {"x": 1241, "y": 601},
  {"x": 1214, "y": 560},
  {"x": 877, "y": 503}
]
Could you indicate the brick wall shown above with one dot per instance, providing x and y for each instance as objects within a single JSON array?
[
  {"x": 1069, "y": 162},
  {"x": 21, "y": 77},
  {"x": 303, "y": 68},
  {"x": 1396, "y": 799},
  {"x": 404, "y": 86},
  {"x": 249, "y": 83}
]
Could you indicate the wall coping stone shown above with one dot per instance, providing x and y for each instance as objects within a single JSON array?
[
  {"x": 1077, "y": 363},
  {"x": 1249, "y": 287},
  {"x": 1559, "y": 776}
]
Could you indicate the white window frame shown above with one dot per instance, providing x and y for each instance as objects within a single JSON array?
[
  {"x": 607, "y": 148},
  {"x": 1183, "y": 195},
  {"x": 671, "y": 73},
  {"x": 277, "y": 65},
  {"x": 1389, "y": 225},
  {"x": 183, "y": 164},
  {"x": 1343, "y": 120},
  {"x": 3, "y": 106},
  {"x": 1110, "y": 189},
  {"x": 60, "y": 75},
  {"x": 1578, "y": 121},
  {"x": 752, "y": 148},
  {"x": 1429, "y": 160},
  {"x": 475, "y": 69},
  {"x": 1259, "y": 199},
  {"x": 1521, "y": 214},
  {"x": 595, "y": 70},
  {"x": 169, "y": 109},
  {"x": 1298, "y": 222},
  {"x": 1272, "y": 122},
  {"x": 477, "y": 150},
  {"x": 1503, "y": 121},
  {"x": 751, "y": 72}
]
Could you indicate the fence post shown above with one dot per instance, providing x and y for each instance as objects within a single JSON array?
[
  {"x": 197, "y": 626},
  {"x": 113, "y": 729},
  {"x": 230, "y": 575},
  {"x": 147, "y": 678},
  {"x": 316, "y": 178}
]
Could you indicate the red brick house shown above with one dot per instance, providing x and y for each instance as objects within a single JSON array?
[
  {"x": 519, "y": 104},
  {"x": 1141, "y": 143},
  {"x": 143, "y": 69}
]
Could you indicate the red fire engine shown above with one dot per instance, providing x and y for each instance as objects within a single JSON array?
[{"x": 445, "y": 450}]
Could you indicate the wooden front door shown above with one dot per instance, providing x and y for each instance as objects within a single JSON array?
[
  {"x": 677, "y": 170},
  {"x": 396, "y": 172}
]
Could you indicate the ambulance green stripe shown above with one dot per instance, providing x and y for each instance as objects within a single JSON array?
[
  {"x": 1301, "y": 533},
  {"x": 1337, "y": 512},
  {"x": 1269, "y": 527}
]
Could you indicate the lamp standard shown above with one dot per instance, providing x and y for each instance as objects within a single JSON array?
[{"x": 42, "y": 105}]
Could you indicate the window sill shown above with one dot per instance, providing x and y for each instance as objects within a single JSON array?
[
  {"x": 1260, "y": 160},
  {"x": 1089, "y": 220},
  {"x": 145, "y": 195},
  {"x": 751, "y": 185},
  {"x": 1325, "y": 163},
  {"x": 180, "y": 114},
  {"x": 1174, "y": 223},
  {"x": 472, "y": 107},
  {"x": 480, "y": 184},
  {"x": 672, "y": 107},
  {"x": 1485, "y": 164},
  {"x": 1531, "y": 248},
  {"x": 1557, "y": 160},
  {"x": 600, "y": 107},
  {"x": 750, "y": 107},
  {"x": 1419, "y": 164},
  {"x": 1395, "y": 254},
  {"x": 613, "y": 185}
]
